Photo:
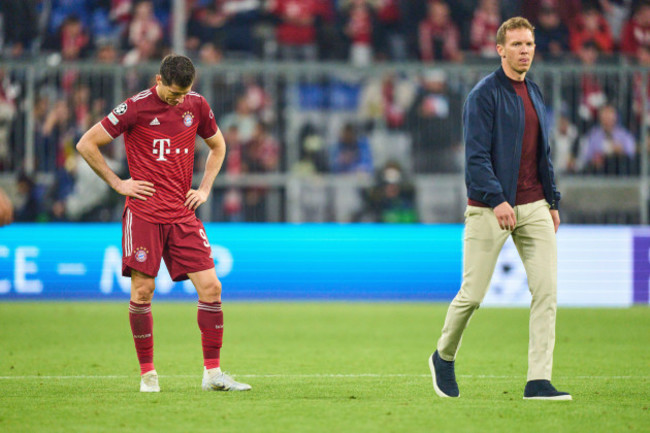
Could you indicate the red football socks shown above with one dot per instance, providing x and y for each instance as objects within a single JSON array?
[
  {"x": 210, "y": 319},
  {"x": 142, "y": 328}
]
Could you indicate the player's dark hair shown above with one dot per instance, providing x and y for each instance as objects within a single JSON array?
[{"x": 178, "y": 70}]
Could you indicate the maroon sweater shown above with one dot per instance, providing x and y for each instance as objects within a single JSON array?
[{"x": 529, "y": 187}]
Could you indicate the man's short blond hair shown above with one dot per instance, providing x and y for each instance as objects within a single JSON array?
[{"x": 513, "y": 24}]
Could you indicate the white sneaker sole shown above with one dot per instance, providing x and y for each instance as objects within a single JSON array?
[
  {"x": 556, "y": 398},
  {"x": 149, "y": 389},
  {"x": 435, "y": 385}
]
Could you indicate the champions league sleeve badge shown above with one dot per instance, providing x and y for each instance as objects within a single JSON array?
[
  {"x": 120, "y": 109},
  {"x": 188, "y": 118}
]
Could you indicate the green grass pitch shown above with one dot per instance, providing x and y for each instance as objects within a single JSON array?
[{"x": 316, "y": 367}]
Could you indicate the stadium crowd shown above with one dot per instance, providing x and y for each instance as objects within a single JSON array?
[
  {"x": 361, "y": 31},
  {"x": 596, "y": 130}
]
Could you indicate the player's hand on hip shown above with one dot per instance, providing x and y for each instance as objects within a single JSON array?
[
  {"x": 555, "y": 214},
  {"x": 195, "y": 198},
  {"x": 140, "y": 189},
  {"x": 505, "y": 216}
]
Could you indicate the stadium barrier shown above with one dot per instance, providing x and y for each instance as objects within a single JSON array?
[
  {"x": 305, "y": 106},
  {"x": 598, "y": 265}
]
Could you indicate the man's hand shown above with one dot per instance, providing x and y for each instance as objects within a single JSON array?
[
  {"x": 555, "y": 214},
  {"x": 195, "y": 198},
  {"x": 505, "y": 216},
  {"x": 140, "y": 189},
  {"x": 6, "y": 209}
]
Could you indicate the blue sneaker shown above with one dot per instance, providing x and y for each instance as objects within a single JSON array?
[
  {"x": 543, "y": 390},
  {"x": 444, "y": 377}
]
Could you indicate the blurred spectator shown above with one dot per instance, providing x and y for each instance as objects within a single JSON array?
[
  {"x": 551, "y": 35},
  {"x": 229, "y": 24},
  {"x": 241, "y": 16},
  {"x": 90, "y": 198},
  {"x": 72, "y": 40},
  {"x": 58, "y": 130},
  {"x": 18, "y": 19},
  {"x": 259, "y": 155},
  {"x": 313, "y": 158},
  {"x": 29, "y": 200},
  {"x": 412, "y": 13},
  {"x": 81, "y": 108},
  {"x": 641, "y": 101},
  {"x": 242, "y": 118},
  {"x": 351, "y": 154},
  {"x": 145, "y": 51},
  {"x": 636, "y": 32},
  {"x": 145, "y": 34},
  {"x": 609, "y": 148},
  {"x": 102, "y": 83},
  {"x": 330, "y": 39},
  {"x": 569, "y": 10},
  {"x": 386, "y": 100},
  {"x": 296, "y": 28},
  {"x": 205, "y": 25},
  {"x": 258, "y": 99},
  {"x": 390, "y": 200},
  {"x": 233, "y": 197},
  {"x": 63, "y": 10},
  {"x": 390, "y": 38},
  {"x": 44, "y": 154},
  {"x": 210, "y": 54},
  {"x": 591, "y": 26},
  {"x": 591, "y": 91},
  {"x": 8, "y": 93},
  {"x": 486, "y": 22},
  {"x": 359, "y": 22},
  {"x": 616, "y": 13},
  {"x": 144, "y": 25},
  {"x": 439, "y": 38},
  {"x": 436, "y": 126},
  {"x": 564, "y": 144},
  {"x": 120, "y": 14}
]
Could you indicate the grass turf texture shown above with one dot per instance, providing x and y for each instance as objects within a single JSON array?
[{"x": 316, "y": 367}]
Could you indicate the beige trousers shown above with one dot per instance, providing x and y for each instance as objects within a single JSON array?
[{"x": 534, "y": 237}]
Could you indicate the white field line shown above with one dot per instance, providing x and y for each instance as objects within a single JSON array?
[{"x": 312, "y": 376}]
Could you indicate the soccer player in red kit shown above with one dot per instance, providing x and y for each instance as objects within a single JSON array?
[{"x": 159, "y": 126}]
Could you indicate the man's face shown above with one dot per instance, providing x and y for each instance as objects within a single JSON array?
[
  {"x": 607, "y": 118},
  {"x": 172, "y": 94},
  {"x": 518, "y": 51}
]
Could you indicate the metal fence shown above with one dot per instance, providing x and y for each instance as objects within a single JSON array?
[{"x": 329, "y": 142}]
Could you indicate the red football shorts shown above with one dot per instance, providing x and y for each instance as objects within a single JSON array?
[{"x": 184, "y": 247}]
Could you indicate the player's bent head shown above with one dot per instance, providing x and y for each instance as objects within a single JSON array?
[
  {"x": 513, "y": 23},
  {"x": 176, "y": 69}
]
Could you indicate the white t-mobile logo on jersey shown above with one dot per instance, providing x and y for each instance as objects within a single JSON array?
[{"x": 162, "y": 147}]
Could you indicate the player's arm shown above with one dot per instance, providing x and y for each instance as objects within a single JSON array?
[
  {"x": 217, "y": 145},
  {"x": 88, "y": 147}
]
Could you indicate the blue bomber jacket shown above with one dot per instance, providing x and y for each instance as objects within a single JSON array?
[{"x": 493, "y": 125}]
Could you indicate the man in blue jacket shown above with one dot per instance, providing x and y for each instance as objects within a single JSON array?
[{"x": 511, "y": 190}]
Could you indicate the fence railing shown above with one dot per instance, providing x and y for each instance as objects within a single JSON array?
[{"x": 325, "y": 142}]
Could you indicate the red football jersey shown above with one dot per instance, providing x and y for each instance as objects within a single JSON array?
[{"x": 159, "y": 141}]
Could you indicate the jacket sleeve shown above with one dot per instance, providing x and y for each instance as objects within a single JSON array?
[
  {"x": 551, "y": 171},
  {"x": 478, "y": 120}
]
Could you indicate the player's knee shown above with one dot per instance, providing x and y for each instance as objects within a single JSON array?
[
  {"x": 143, "y": 292},
  {"x": 214, "y": 289},
  {"x": 469, "y": 300}
]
